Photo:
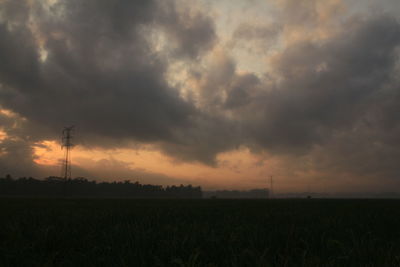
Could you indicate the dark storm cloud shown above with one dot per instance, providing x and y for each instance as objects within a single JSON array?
[
  {"x": 19, "y": 67},
  {"x": 192, "y": 32},
  {"x": 241, "y": 90},
  {"x": 333, "y": 104},
  {"x": 208, "y": 136},
  {"x": 100, "y": 71},
  {"x": 371, "y": 146},
  {"x": 325, "y": 86}
]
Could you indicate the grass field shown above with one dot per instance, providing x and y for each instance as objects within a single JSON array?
[{"x": 71, "y": 232}]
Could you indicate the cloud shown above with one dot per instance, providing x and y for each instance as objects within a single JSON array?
[
  {"x": 326, "y": 86},
  {"x": 16, "y": 153},
  {"x": 103, "y": 66},
  {"x": 262, "y": 36},
  {"x": 190, "y": 32},
  {"x": 100, "y": 72}
]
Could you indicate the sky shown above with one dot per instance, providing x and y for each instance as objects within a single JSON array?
[{"x": 221, "y": 94}]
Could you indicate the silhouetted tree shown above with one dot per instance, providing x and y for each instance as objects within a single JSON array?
[{"x": 81, "y": 187}]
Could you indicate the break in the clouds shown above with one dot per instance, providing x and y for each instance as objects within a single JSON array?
[{"x": 324, "y": 99}]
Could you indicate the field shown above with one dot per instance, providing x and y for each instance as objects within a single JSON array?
[{"x": 89, "y": 232}]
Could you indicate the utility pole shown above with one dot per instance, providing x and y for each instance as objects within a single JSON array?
[{"x": 66, "y": 142}]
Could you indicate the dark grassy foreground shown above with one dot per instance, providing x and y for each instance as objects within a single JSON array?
[{"x": 69, "y": 232}]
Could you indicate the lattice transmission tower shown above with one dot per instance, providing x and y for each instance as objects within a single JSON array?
[{"x": 66, "y": 142}]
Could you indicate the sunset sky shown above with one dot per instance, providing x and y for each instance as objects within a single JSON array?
[{"x": 217, "y": 93}]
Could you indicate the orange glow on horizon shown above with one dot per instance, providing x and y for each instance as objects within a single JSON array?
[
  {"x": 3, "y": 135},
  {"x": 239, "y": 168}
]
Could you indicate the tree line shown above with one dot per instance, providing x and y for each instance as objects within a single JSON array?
[{"x": 82, "y": 187}]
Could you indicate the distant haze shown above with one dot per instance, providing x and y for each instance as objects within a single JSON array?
[{"x": 221, "y": 94}]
